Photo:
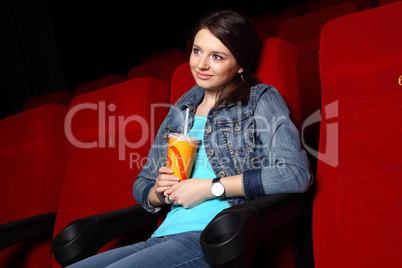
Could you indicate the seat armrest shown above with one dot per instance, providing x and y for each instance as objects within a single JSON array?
[
  {"x": 233, "y": 236},
  {"x": 17, "y": 231},
  {"x": 85, "y": 237}
]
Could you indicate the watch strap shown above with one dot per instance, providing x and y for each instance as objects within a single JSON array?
[{"x": 216, "y": 180}]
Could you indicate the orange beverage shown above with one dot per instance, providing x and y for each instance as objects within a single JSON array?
[{"x": 181, "y": 154}]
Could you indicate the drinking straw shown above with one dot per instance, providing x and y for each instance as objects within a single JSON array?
[{"x": 186, "y": 122}]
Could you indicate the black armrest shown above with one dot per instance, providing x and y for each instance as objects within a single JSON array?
[
  {"x": 233, "y": 236},
  {"x": 84, "y": 237},
  {"x": 17, "y": 231}
]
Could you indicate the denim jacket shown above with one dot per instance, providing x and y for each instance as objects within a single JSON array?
[{"x": 257, "y": 140}]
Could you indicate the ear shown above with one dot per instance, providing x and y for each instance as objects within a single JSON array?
[{"x": 241, "y": 69}]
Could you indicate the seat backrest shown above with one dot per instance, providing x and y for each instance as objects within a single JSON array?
[
  {"x": 161, "y": 68},
  {"x": 33, "y": 160},
  {"x": 182, "y": 81},
  {"x": 357, "y": 206},
  {"x": 99, "y": 83},
  {"x": 386, "y": 2},
  {"x": 304, "y": 33},
  {"x": 277, "y": 67},
  {"x": 60, "y": 96},
  {"x": 267, "y": 24},
  {"x": 110, "y": 136},
  {"x": 165, "y": 53},
  {"x": 321, "y": 4}
]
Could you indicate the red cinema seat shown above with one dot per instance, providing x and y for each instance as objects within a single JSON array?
[
  {"x": 165, "y": 53},
  {"x": 321, "y": 4},
  {"x": 386, "y": 2},
  {"x": 60, "y": 96},
  {"x": 110, "y": 132},
  {"x": 99, "y": 83},
  {"x": 33, "y": 160},
  {"x": 161, "y": 68},
  {"x": 268, "y": 24},
  {"x": 357, "y": 206},
  {"x": 277, "y": 67},
  {"x": 182, "y": 81},
  {"x": 304, "y": 33}
]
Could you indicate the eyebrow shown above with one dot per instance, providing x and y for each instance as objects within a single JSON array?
[{"x": 213, "y": 52}]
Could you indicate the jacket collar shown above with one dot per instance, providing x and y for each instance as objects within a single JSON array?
[{"x": 194, "y": 97}]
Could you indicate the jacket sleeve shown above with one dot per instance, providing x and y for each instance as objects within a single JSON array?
[
  {"x": 284, "y": 167},
  {"x": 146, "y": 178}
]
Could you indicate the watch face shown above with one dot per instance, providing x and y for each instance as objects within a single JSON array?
[{"x": 217, "y": 189}]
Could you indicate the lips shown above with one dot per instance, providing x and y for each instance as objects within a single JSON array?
[{"x": 203, "y": 76}]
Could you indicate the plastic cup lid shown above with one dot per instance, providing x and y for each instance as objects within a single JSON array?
[{"x": 182, "y": 137}]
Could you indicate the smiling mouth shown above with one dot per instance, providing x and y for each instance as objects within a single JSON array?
[{"x": 203, "y": 76}]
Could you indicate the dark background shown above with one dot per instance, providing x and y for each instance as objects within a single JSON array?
[{"x": 49, "y": 45}]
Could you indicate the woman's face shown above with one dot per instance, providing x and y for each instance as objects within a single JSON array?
[{"x": 211, "y": 62}]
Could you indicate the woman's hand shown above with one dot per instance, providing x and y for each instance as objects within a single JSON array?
[
  {"x": 163, "y": 182},
  {"x": 189, "y": 193}
]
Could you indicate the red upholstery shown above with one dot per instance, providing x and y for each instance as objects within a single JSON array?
[
  {"x": 99, "y": 83},
  {"x": 268, "y": 24},
  {"x": 182, "y": 81},
  {"x": 165, "y": 53},
  {"x": 33, "y": 157},
  {"x": 357, "y": 208},
  {"x": 117, "y": 122},
  {"x": 59, "y": 96},
  {"x": 161, "y": 68},
  {"x": 386, "y": 2},
  {"x": 277, "y": 67},
  {"x": 321, "y": 4},
  {"x": 304, "y": 33}
]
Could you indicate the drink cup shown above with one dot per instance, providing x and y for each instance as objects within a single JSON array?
[{"x": 181, "y": 154}]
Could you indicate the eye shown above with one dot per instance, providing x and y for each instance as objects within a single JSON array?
[
  {"x": 197, "y": 51},
  {"x": 217, "y": 57}
]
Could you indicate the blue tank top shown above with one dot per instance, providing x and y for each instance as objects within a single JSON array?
[{"x": 179, "y": 219}]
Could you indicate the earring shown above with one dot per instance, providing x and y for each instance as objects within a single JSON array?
[{"x": 242, "y": 78}]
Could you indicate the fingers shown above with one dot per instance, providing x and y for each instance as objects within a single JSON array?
[
  {"x": 165, "y": 170},
  {"x": 165, "y": 174},
  {"x": 165, "y": 180}
]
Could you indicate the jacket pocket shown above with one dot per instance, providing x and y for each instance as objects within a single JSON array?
[{"x": 237, "y": 135}]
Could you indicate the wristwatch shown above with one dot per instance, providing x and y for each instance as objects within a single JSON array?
[{"x": 217, "y": 188}]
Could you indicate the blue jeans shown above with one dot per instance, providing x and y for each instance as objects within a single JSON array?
[{"x": 180, "y": 250}]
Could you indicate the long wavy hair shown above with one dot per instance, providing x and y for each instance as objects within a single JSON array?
[{"x": 238, "y": 33}]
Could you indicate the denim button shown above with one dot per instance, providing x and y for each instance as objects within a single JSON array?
[
  {"x": 211, "y": 152},
  {"x": 216, "y": 113},
  {"x": 222, "y": 174},
  {"x": 209, "y": 130}
]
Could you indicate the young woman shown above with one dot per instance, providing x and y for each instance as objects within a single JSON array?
[{"x": 249, "y": 146}]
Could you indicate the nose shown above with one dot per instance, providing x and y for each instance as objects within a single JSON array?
[{"x": 203, "y": 63}]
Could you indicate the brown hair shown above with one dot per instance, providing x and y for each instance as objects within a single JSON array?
[{"x": 238, "y": 33}]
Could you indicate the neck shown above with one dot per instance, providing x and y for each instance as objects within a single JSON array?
[
  {"x": 207, "y": 103},
  {"x": 209, "y": 98}
]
